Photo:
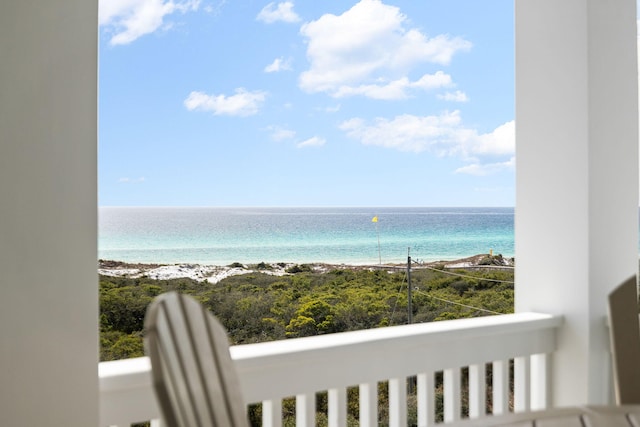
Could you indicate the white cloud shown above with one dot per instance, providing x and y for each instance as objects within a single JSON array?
[
  {"x": 315, "y": 141},
  {"x": 278, "y": 64},
  {"x": 280, "y": 134},
  {"x": 127, "y": 180},
  {"x": 501, "y": 141},
  {"x": 457, "y": 96},
  {"x": 478, "y": 169},
  {"x": 215, "y": 8},
  {"x": 444, "y": 135},
  {"x": 331, "y": 109},
  {"x": 243, "y": 103},
  {"x": 282, "y": 12},
  {"x": 129, "y": 20},
  {"x": 368, "y": 50},
  {"x": 396, "y": 89}
]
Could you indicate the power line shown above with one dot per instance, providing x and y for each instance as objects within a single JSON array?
[
  {"x": 451, "y": 273},
  {"x": 458, "y": 303}
]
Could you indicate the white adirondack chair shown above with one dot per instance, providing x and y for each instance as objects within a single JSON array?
[
  {"x": 625, "y": 341},
  {"x": 194, "y": 378}
]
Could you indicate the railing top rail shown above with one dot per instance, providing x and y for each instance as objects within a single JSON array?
[
  {"x": 134, "y": 372},
  {"x": 432, "y": 332},
  {"x": 124, "y": 373},
  {"x": 344, "y": 359}
]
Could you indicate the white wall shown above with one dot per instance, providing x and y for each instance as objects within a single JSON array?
[
  {"x": 576, "y": 225},
  {"x": 48, "y": 174}
]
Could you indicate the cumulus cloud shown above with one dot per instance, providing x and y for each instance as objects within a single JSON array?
[
  {"x": 457, "y": 96},
  {"x": 369, "y": 50},
  {"x": 396, "y": 89},
  {"x": 282, "y": 12},
  {"x": 444, "y": 135},
  {"x": 129, "y": 20},
  {"x": 501, "y": 141},
  {"x": 280, "y": 134},
  {"x": 278, "y": 64},
  {"x": 315, "y": 141},
  {"x": 243, "y": 103},
  {"x": 478, "y": 169}
]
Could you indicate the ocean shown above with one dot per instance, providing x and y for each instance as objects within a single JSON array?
[{"x": 221, "y": 236}]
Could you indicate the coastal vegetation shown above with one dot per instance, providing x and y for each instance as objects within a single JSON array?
[{"x": 260, "y": 306}]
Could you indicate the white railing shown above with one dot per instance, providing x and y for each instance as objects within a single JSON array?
[{"x": 300, "y": 368}]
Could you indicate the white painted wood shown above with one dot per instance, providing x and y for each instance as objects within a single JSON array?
[
  {"x": 426, "y": 399},
  {"x": 451, "y": 379},
  {"x": 368, "y": 399},
  {"x": 577, "y": 416},
  {"x": 125, "y": 391},
  {"x": 337, "y": 412},
  {"x": 343, "y": 359},
  {"x": 540, "y": 380},
  {"x": 397, "y": 402},
  {"x": 522, "y": 384},
  {"x": 362, "y": 356},
  {"x": 500, "y": 387},
  {"x": 48, "y": 214},
  {"x": 194, "y": 378},
  {"x": 577, "y": 175},
  {"x": 477, "y": 390},
  {"x": 272, "y": 413},
  {"x": 306, "y": 410}
]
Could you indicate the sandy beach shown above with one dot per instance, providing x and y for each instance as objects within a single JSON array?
[{"x": 216, "y": 273}]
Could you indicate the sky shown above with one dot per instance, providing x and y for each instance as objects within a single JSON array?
[{"x": 306, "y": 103}]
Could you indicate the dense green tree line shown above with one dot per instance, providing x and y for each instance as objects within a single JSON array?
[{"x": 257, "y": 306}]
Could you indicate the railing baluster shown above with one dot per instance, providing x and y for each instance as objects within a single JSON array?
[
  {"x": 521, "y": 384},
  {"x": 305, "y": 410},
  {"x": 126, "y": 393},
  {"x": 426, "y": 398},
  {"x": 540, "y": 373},
  {"x": 368, "y": 398},
  {"x": 398, "y": 402},
  {"x": 477, "y": 391},
  {"x": 272, "y": 413},
  {"x": 451, "y": 394},
  {"x": 500, "y": 387},
  {"x": 337, "y": 407}
]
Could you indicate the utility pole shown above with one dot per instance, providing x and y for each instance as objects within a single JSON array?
[
  {"x": 411, "y": 380},
  {"x": 409, "y": 298}
]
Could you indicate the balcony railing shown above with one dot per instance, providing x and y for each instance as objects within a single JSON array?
[{"x": 272, "y": 371}]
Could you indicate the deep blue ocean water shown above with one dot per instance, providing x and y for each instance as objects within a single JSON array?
[{"x": 221, "y": 236}]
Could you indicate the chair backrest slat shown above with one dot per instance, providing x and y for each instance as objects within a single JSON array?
[
  {"x": 194, "y": 377},
  {"x": 170, "y": 357}
]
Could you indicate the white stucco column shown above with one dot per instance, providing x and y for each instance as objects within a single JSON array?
[
  {"x": 48, "y": 227},
  {"x": 576, "y": 224}
]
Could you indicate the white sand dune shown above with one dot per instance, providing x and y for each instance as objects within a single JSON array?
[
  {"x": 201, "y": 273},
  {"x": 215, "y": 273}
]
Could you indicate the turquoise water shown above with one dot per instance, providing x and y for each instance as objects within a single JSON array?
[{"x": 220, "y": 236}]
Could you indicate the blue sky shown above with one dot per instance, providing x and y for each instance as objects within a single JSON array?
[{"x": 306, "y": 103}]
